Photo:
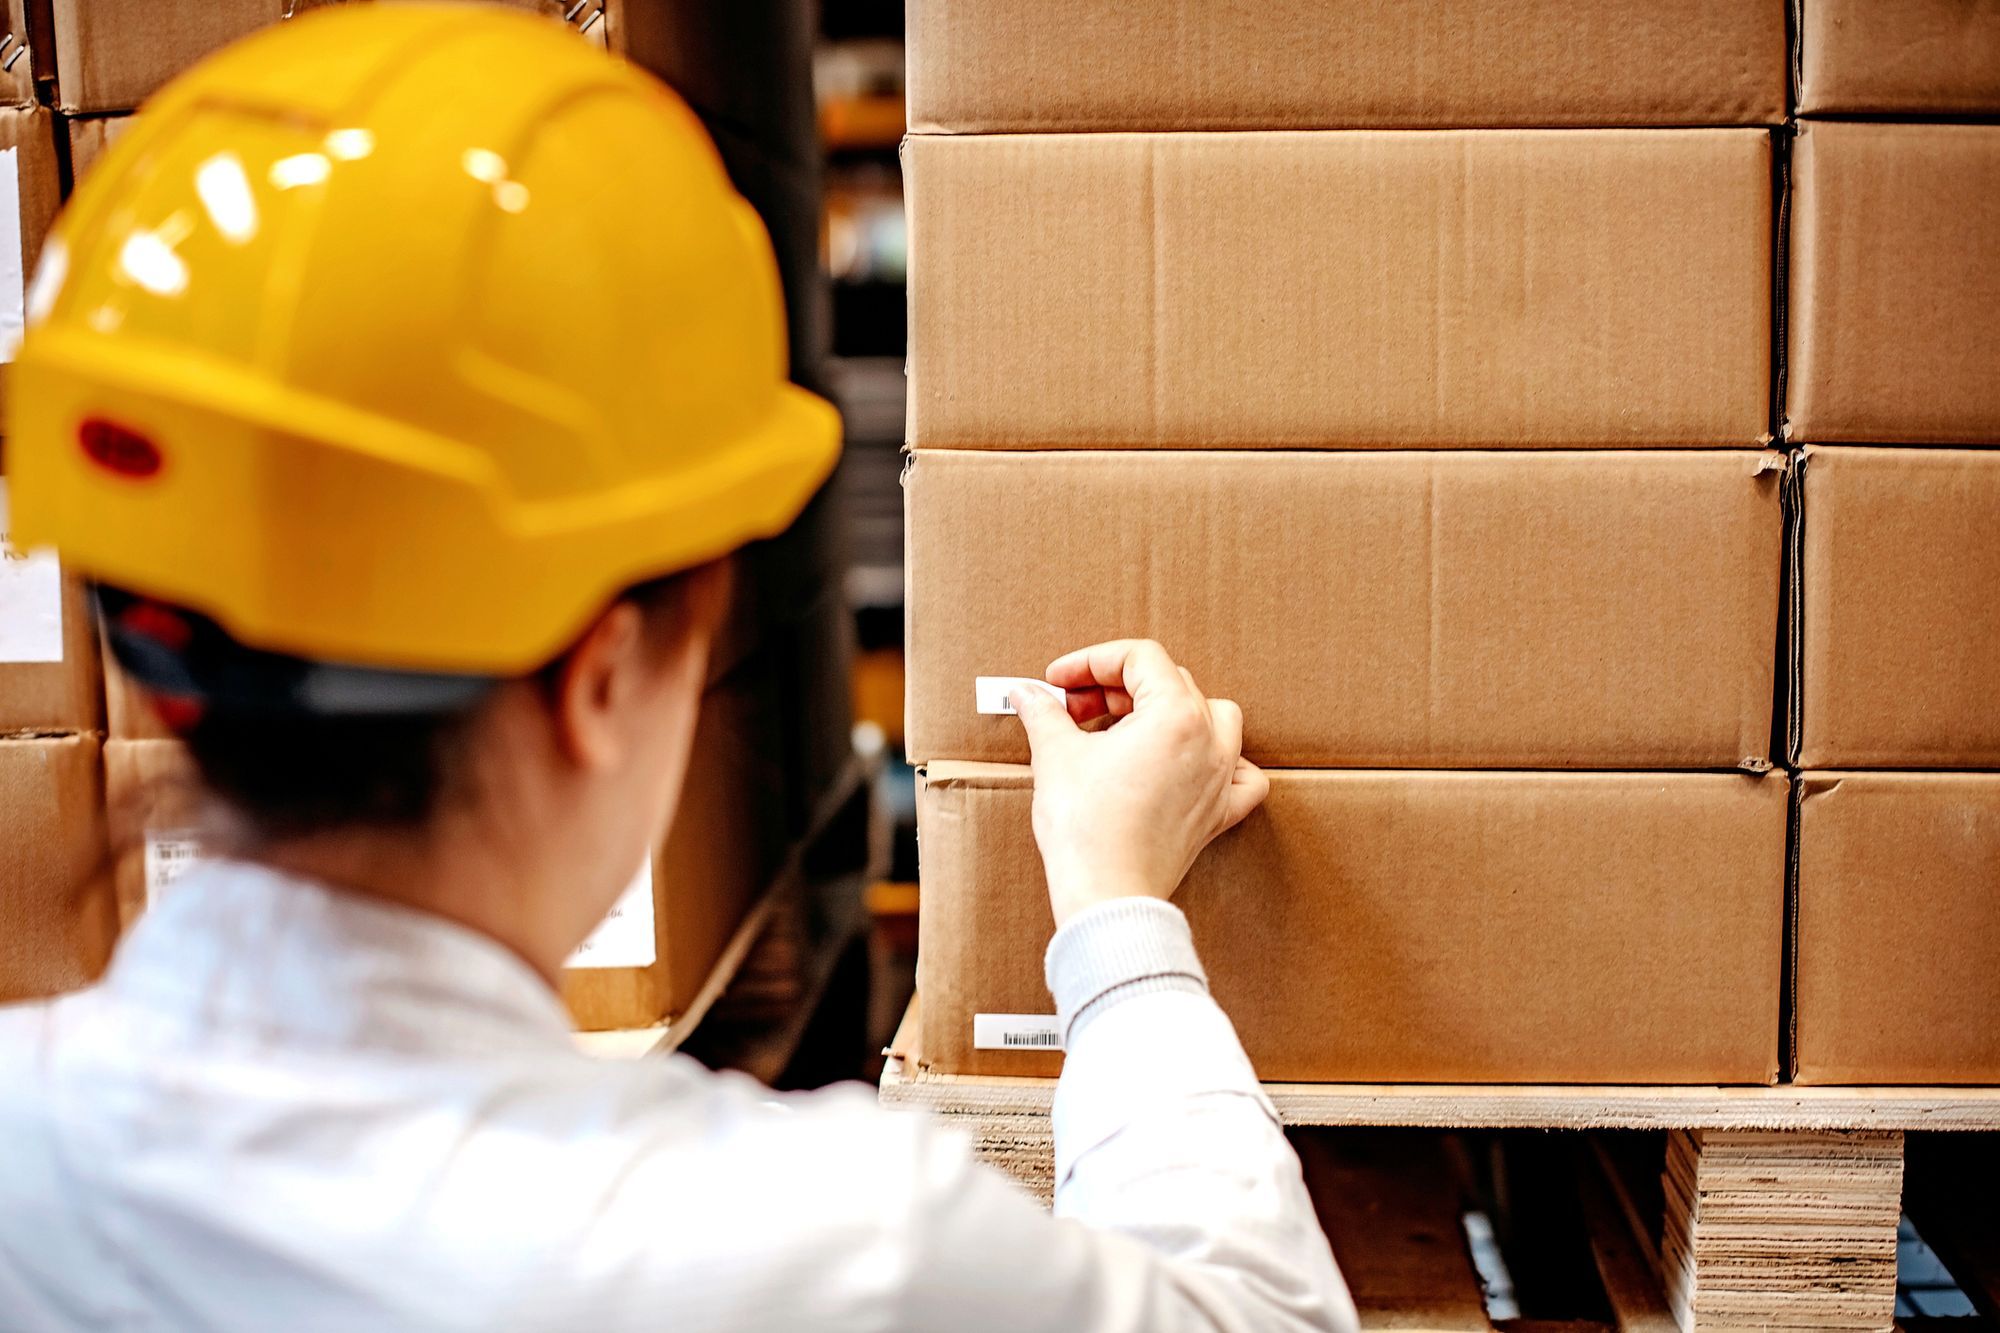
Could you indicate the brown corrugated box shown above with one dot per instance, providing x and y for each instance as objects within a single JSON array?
[
  {"x": 1355, "y": 289},
  {"x": 1895, "y": 282},
  {"x": 725, "y": 846},
  {"x": 17, "y": 58},
  {"x": 1424, "y": 927},
  {"x": 1901, "y": 56},
  {"x": 90, "y": 136},
  {"x": 1299, "y": 64},
  {"x": 1407, "y": 609},
  {"x": 1898, "y": 936},
  {"x": 158, "y": 818},
  {"x": 111, "y": 55},
  {"x": 49, "y": 673},
  {"x": 128, "y": 711},
  {"x": 58, "y": 918},
  {"x": 1899, "y": 630}
]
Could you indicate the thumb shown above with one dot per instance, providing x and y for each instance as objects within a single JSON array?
[{"x": 1046, "y": 720}]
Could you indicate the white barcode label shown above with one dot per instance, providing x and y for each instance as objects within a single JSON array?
[
  {"x": 30, "y": 599},
  {"x": 626, "y": 937},
  {"x": 170, "y": 853},
  {"x": 1016, "y": 1032},
  {"x": 990, "y": 692}
]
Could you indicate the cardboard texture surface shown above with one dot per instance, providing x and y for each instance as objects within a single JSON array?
[
  {"x": 1900, "y": 626},
  {"x": 1345, "y": 289},
  {"x": 89, "y": 137},
  {"x": 1421, "y": 927},
  {"x": 727, "y": 839},
  {"x": 58, "y": 918},
  {"x": 150, "y": 789},
  {"x": 128, "y": 713},
  {"x": 1895, "y": 284},
  {"x": 1302, "y": 64},
  {"x": 17, "y": 57},
  {"x": 1903, "y": 56},
  {"x": 1898, "y": 938},
  {"x": 113, "y": 54},
  {"x": 1468, "y": 609}
]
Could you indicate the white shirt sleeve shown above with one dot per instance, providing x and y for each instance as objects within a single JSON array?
[{"x": 1179, "y": 1204}]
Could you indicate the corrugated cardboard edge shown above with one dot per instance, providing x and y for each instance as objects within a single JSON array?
[{"x": 1790, "y": 714}]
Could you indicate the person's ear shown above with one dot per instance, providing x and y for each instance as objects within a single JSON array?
[{"x": 594, "y": 685}]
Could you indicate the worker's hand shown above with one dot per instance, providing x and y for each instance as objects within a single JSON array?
[{"x": 1123, "y": 812}]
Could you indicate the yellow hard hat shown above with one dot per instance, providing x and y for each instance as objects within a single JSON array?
[{"x": 408, "y": 336}]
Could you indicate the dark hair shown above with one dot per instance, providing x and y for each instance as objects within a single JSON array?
[{"x": 291, "y": 774}]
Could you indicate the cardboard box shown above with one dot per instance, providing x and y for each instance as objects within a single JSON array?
[
  {"x": 1903, "y": 56},
  {"x": 1899, "y": 644},
  {"x": 111, "y": 55},
  {"x": 1420, "y": 927},
  {"x": 1305, "y": 64},
  {"x": 1895, "y": 281},
  {"x": 17, "y": 57},
  {"x": 58, "y": 919},
  {"x": 1384, "y": 610},
  {"x": 1897, "y": 969},
  {"x": 49, "y": 672},
  {"x": 128, "y": 710},
  {"x": 89, "y": 137},
  {"x": 160, "y": 820},
  {"x": 1354, "y": 289},
  {"x": 725, "y": 846}
]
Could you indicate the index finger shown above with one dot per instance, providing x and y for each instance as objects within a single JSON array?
[{"x": 1140, "y": 667}]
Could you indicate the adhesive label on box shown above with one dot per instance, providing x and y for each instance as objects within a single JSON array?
[
  {"x": 1016, "y": 1032},
  {"x": 13, "y": 264},
  {"x": 170, "y": 853},
  {"x": 30, "y": 599},
  {"x": 990, "y": 692},
  {"x": 625, "y": 938}
]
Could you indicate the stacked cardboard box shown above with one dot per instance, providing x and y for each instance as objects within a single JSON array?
[
  {"x": 57, "y": 920},
  {"x": 1894, "y": 343},
  {"x": 1407, "y": 370}
]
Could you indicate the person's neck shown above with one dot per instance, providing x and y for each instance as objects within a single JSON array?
[{"x": 469, "y": 881}]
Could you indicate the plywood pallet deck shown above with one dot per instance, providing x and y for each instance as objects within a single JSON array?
[{"x": 1781, "y": 1202}]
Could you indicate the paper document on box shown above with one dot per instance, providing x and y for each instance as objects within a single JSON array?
[
  {"x": 13, "y": 264},
  {"x": 30, "y": 599},
  {"x": 626, "y": 937}
]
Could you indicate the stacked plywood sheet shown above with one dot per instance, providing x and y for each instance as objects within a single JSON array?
[{"x": 1782, "y": 1231}]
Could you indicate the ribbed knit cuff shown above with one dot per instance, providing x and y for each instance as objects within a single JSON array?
[{"x": 1111, "y": 951}]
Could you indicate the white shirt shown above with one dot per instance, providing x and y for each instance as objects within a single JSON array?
[{"x": 288, "y": 1107}]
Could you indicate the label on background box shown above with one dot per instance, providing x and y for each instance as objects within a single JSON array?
[
  {"x": 625, "y": 938},
  {"x": 170, "y": 853},
  {"x": 30, "y": 599},
  {"x": 990, "y": 692},
  {"x": 1016, "y": 1032}
]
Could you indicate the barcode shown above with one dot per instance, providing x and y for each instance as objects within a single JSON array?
[{"x": 1046, "y": 1039}]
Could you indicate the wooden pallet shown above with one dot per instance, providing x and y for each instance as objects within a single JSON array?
[{"x": 1780, "y": 1205}]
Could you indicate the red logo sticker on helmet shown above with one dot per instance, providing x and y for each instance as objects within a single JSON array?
[{"x": 119, "y": 449}]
